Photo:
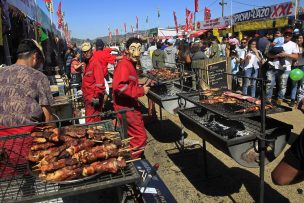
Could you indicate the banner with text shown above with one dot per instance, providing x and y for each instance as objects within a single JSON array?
[{"x": 267, "y": 12}]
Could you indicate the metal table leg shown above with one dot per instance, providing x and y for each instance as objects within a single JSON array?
[
  {"x": 160, "y": 113},
  {"x": 205, "y": 158}
]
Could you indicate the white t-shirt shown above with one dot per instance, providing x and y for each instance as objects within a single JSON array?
[{"x": 289, "y": 48}]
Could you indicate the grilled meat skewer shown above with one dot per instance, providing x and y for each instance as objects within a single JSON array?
[{"x": 111, "y": 165}]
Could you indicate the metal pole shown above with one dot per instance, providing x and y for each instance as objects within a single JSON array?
[
  {"x": 222, "y": 4},
  {"x": 262, "y": 142}
]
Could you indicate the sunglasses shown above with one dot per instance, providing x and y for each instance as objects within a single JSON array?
[{"x": 244, "y": 42}]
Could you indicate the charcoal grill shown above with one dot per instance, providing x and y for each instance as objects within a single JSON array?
[
  {"x": 228, "y": 110},
  {"x": 236, "y": 138},
  {"x": 165, "y": 96},
  {"x": 17, "y": 185}
]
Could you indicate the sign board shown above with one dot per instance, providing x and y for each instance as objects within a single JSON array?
[
  {"x": 267, "y": 12},
  {"x": 216, "y": 75}
]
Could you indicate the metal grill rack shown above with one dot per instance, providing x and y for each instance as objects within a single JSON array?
[
  {"x": 228, "y": 110},
  {"x": 197, "y": 119},
  {"x": 18, "y": 185}
]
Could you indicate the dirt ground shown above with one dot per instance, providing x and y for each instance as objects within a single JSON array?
[{"x": 184, "y": 172}]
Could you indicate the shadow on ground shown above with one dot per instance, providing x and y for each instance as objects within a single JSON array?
[
  {"x": 165, "y": 131},
  {"x": 221, "y": 180}
]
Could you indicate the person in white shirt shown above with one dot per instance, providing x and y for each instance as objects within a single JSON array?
[
  {"x": 278, "y": 72},
  {"x": 251, "y": 65}
]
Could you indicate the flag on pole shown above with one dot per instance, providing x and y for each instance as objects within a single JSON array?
[
  {"x": 195, "y": 5},
  {"x": 117, "y": 33},
  {"x": 136, "y": 23},
  {"x": 147, "y": 19},
  {"x": 60, "y": 16},
  {"x": 207, "y": 14},
  {"x": 158, "y": 13},
  {"x": 110, "y": 36},
  {"x": 190, "y": 21},
  {"x": 125, "y": 25},
  {"x": 187, "y": 20},
  {"x": 49, "y": 5},
  {"x": 175, "y": 21}
]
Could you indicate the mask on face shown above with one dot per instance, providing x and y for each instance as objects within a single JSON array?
[{"x": 134, "y": 51}]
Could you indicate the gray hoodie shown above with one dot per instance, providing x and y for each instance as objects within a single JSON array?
[{"x": 170, "y": 55}]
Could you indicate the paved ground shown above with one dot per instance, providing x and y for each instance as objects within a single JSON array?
[{"x": 227, "y": 181}]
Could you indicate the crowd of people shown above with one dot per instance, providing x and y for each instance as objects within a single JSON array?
[{"x": 271, "y": 56}]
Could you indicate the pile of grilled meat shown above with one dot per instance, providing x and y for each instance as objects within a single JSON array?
[
  {"x": 74, "y": 152},
  {"x": 214, "y": 96},
  {"x": 164, "y": 74}
]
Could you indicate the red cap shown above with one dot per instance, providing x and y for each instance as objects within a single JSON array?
[{"x": 288, "y": 30}]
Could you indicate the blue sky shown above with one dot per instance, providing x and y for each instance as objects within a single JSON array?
[{"x": 91, "y": 18}]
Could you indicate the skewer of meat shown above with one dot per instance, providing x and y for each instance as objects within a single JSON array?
[
  {"x": 89, "y": 157},
  {"x": 62, "y": 174},
  {"x": 36, "y": 156},
  {"x": 253, "y": 109},
  {"x": 42, "y": 146},
  {"x": 84, "y": 144},
  {"x": 111, "y": 165},
  {"x": 61, "y": 163},
  {"x": 73, "y": 131}
]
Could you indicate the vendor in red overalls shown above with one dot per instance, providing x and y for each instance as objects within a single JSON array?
[
  {"x": 126, "y": 92},
  {"x": 93, "y": 84}
]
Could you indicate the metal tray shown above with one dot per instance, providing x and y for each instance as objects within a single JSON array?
[{"x": 227, "y": 110}]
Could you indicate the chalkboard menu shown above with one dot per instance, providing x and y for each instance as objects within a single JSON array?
[{"x": 216, "y": 74}]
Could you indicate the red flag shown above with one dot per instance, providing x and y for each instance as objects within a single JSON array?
[
  {"x": 175, "y": 22},
  {"x": 190, "y": 22},
  {"x": 136, "y": 23},
  {"x": 187, "y": 22},
  {"x": 59, "y": 15},
  {"x": 132, "y": 28},
  {"x": 195, "y": 5},
  {"x": 207, "y": 14},
  {"x": 117, "y": 33},
  {"x": 125, "y": 25}
]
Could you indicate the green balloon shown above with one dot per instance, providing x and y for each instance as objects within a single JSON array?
[{"x": 296, "y": 74}]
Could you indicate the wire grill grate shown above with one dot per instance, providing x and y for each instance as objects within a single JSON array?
[
  {"x": 228, "y": 110},
  {"x": 18, "y": 185}
]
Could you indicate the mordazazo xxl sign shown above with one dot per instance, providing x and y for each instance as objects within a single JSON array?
[{"x": 268, "y": 12}]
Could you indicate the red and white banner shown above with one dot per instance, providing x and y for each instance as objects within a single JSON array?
[
  {"x": 59, "y": 15},
  {"x": 214, "y": 23},
  {"x": 190, "y": 22}
]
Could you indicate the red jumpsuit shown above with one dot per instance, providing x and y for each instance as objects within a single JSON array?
[
  {"x": 125, "y": 94},
  {"x": 93, "y": 86},
  {"x": 104, "y": 57}
]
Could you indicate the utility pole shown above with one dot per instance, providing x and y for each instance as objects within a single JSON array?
[{"x": 222, "y": 4}]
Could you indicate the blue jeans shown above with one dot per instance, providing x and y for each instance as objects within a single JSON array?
[
  {"x": 276, "y": 75},
  {"x": 252, "y": 73},
  {"x": 295, "y": 85}
]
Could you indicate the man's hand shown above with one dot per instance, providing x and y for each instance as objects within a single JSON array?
[
  {"x": 146, "y": 89},
  {"x": 301, "y": 105},
  {"x": 95, "y": 102}
]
